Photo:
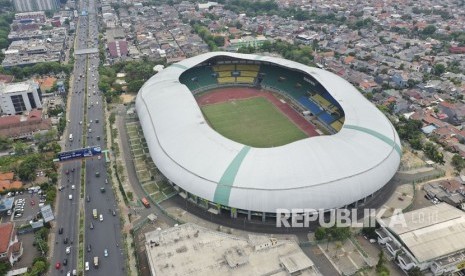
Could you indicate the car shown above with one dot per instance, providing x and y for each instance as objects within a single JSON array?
[
  {"x": 61, "y": 188},
  {"x": 67, "y": 172},
  {"x": 89, "y": 248},
  {"x": 106, "y": 180},
  {"x": 99, "y": 157},
  {"x": 68, "y": 273},
  {"x": 88, "y": 198},
  {"x": 60, "y": 230},
  {"x": 65, "y": 261},
  {"x": 80, "y": 122},
  {"x": 65, "y": 240},
  {"x": 9, "y": 212},
  {"x": 105, "y": 252},
  {"x": 69, "y": 121},
  {"x": 96, "y": 121},
  {"x": 73, "y": 169},
  {"x": 57, "y": 265},
  {"x": 18, "y": 215},
  {"x": 68, "y": 249},
  {"x": 91, "y": 226},
  {"x": 101, "y": 217},
  {"x": 70, "y": 197},
  {"x": 90, "y": 130},
  {"x": 74, "y": 272},
  {"x": 90, "y": 121},
  {"x": 97, "y": 174},
  {"x": 33, "y": 202},
  {"x": 87, "y": 266},
  {"x": 102, "y": 189},
  {"x": 98, "y": 138},
  {"x": 73, "y": 187},
  {"x": 372, "y": 240}
]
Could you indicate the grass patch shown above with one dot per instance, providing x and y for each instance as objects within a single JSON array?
[{"x": 255, "y": 122}]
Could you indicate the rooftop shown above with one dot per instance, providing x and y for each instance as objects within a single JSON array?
[
  {"x": 5, "y": 234},
  {"x": 189, "y": 249},
  {"x": 440, "y": 233}
]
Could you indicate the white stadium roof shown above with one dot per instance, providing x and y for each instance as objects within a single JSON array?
[{"x": 319, "y": 172}]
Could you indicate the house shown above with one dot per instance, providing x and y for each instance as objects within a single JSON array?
[
  {"x": 455, "y": 112},
  {"x": 10, "y": 248}
]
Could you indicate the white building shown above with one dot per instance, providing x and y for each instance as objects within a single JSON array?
[
  {"x": 19, "y": 97},
  {"x": 431, "y": 238},
  {"x": 35, "y": 5}
]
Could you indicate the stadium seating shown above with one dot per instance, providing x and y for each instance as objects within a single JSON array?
[
  {"x": 226, "y": 80},
  {"x": 245, "y": 80},
  {"x": 197, "y": 77},
  {"x": 311, "y": 106},
  {"x": 223, "y": 74},
  {"x": 247, "y": 67},
  {"x": 252, "y": 74},
  {"x": 326, "y": 118},
  {"x": 226, "y": 67},
  {"x": 336, "y": 125}
]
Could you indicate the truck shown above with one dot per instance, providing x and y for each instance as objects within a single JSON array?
[
  {"x": 95, "y": 261},
  {"x": 94, "y": 213},
  {"x": 145, "y": 202}
]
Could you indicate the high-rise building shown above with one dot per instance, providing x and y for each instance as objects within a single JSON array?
[
  {"x": 35, "y": 5},
  {"x": 20, "y": 97}
]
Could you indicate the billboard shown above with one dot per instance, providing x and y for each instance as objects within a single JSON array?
[{"x": 79, "y": 153}]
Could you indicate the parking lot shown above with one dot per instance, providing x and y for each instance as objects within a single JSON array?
[{"x": 25, "y": 207}]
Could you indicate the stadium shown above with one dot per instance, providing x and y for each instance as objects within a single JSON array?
[{"x": 250, "y": 134}]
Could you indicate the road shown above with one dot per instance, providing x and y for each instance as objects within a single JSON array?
[
  {"x": 67, "y": 210},
  {"x": 106, "y": 234}
]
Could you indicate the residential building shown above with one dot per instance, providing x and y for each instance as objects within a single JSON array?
[
  {"x": 10, "y": 248},
  {"x": 19, "y": 97}
]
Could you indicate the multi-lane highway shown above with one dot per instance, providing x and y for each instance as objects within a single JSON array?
[{"x": 87, "y": 120}]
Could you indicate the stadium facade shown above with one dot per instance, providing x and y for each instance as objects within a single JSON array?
[{"x": 323, "y": 172}]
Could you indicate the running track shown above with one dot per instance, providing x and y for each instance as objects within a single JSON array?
[{"x": 227, "y": 94}]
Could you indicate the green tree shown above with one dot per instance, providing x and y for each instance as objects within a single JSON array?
[
  {"x": 4, "y": 267},
  {"x": 415, "y": 271},
  {"x": 439, "y": 69},
  {"x": 458, "y": 163},
  {"x": 27, "y": 168},
  {"x": 320, "y": 233},
  {"x": 429, "y": 30}
]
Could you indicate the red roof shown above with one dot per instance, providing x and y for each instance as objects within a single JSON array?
[{"x": 5, "y": 233}]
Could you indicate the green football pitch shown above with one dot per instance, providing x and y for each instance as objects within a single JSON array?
[{"x": 254, "y": 122}]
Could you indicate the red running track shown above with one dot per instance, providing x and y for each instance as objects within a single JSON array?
[{"x": 227, "y": 94}]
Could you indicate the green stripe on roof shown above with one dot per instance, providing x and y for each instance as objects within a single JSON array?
[
  {"x": 223, "y": 190},
  {"x": 378, "y": 135},
  {"x": 180, "y": 66}
]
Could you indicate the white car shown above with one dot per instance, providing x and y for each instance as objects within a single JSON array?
[
  {"x": 105, "y": 252},
  {"x": 70, "y": 197},
  {"x": 68, "y": 249},
  {"x": 73, "y": 187},
  {"x": 80, "y": 122},
  {"x": 87, "y": 266},
  {"x": 101, "y": 217}
]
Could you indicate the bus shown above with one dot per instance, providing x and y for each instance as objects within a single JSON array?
[
  {"x": 71, "y": 137},
  {"x": 94, "y": 213},
  {"x": 145, "y": 202}
]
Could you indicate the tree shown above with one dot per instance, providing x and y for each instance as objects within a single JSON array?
[
  {"x": 27, "y": 169},
  {"x": 429, "y": 30},
  {"x": 20, "y": 148},
  {"x": 439, "y": 69},
  {"x": 458, "y": 163},
  {"x": 415, "y": 271},
  {"x": 4, "y": 267},
  {"x": 320, "y": 233}
]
